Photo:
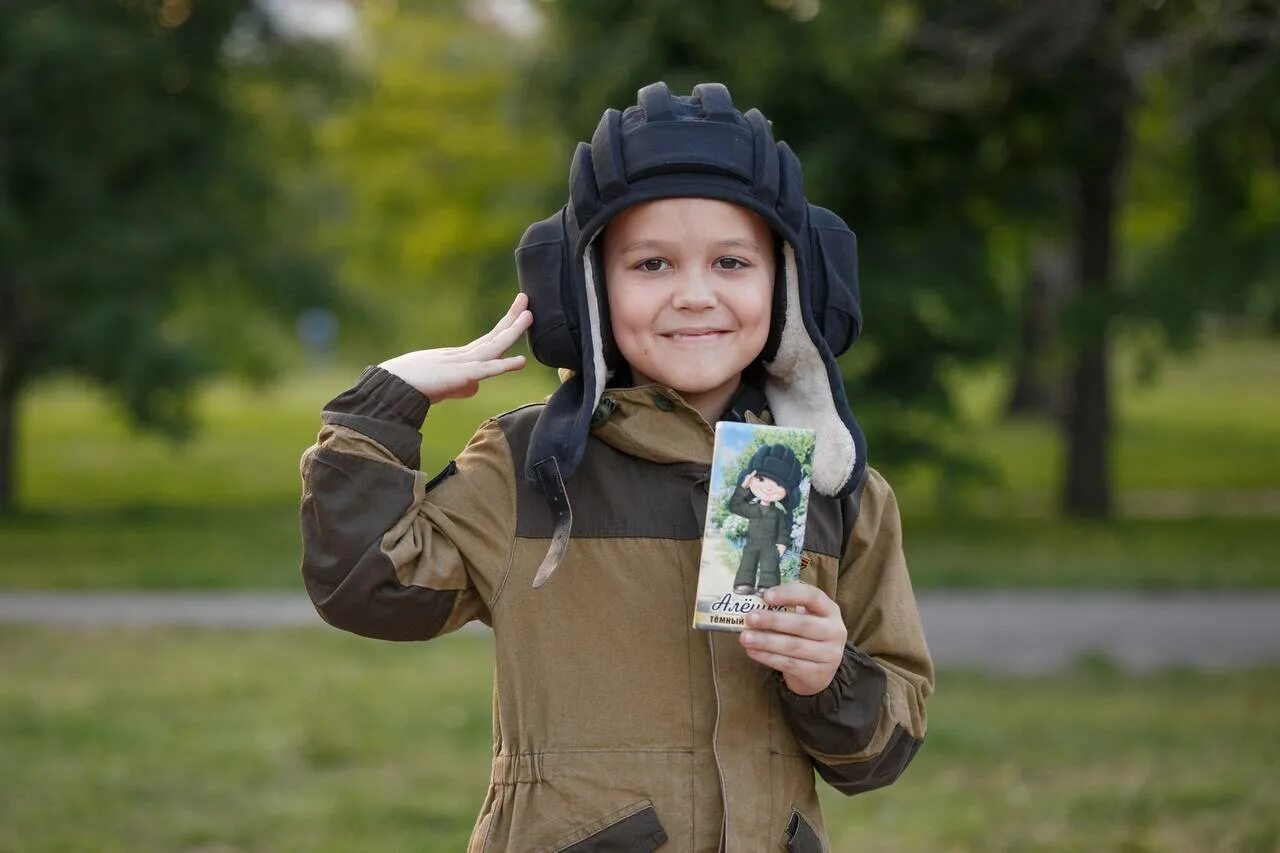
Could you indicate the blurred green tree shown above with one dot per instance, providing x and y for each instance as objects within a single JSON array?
[
  {"x": 980, "y": 151},
  {"x": 1138, "y": 107},
  {"x": 890, "y": 157},
  {"x": 1217, "y": 84},
  {"x": 441, "y": 168},
  {"x": 141, "y": 245}
]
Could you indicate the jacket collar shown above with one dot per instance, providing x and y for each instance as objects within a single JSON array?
[
  {"x": 749, "y": 405},
  {"x": 655, "y": 423}
]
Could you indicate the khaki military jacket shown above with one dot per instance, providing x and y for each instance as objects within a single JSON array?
[{"x": 616, "y": 725}]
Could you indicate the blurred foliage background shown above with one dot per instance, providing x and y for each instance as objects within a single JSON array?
[
  {"x": 1059, "y": 200},
  {"x": 214, "y": 213}
]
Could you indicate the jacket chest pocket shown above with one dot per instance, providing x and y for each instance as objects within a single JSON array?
[{"x": 634, "y": 829}]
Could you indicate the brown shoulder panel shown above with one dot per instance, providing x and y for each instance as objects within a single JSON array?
[
  {"x": 612, "y": 494},
  {"x": 824, "y": 525}
]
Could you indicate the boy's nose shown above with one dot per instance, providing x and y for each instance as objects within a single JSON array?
[{"x": 693, "y": 291}]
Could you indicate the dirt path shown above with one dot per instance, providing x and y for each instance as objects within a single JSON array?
[{"x": 997, "y": 631}]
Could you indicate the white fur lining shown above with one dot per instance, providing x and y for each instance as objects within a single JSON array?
[
  {"x": 593, "y": 318},
  {"x": 799, "y": 392}
]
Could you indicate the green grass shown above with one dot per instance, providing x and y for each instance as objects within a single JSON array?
[
  {"x": 117, "y": 740},
  {"x": 105, "y": 507},
  {"x": 1195, "y": 553},
  {"x": 77, "y": 453},
  {"x": 144, "y": 546},
  {"x": 108, "y": 508},
  {"x": 1207, "y": 424}
]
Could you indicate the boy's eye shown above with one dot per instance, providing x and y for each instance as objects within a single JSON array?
[{"x": 656, "y": 264}]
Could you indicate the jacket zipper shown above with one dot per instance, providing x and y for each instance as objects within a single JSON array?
[{"x": 715, "y": 753}]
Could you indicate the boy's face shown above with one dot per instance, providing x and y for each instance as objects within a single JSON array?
[
  {"x": 690, "y": 288},
  {"x": 766, "y": 489}
]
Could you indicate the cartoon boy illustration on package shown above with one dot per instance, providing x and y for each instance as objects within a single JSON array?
[
  {"x": 765, "y": 497},
  {"x": 757, "y": 503}
]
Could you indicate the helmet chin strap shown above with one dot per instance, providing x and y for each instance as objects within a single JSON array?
[
  {"x": 548, "y": 474},
  {"x": 547, "y": 471}
]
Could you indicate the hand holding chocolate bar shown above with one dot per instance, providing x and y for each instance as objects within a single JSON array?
[{"x": 805, "y": 646}]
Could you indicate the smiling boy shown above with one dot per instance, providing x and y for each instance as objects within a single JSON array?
[{"x": 686, "y": 281}]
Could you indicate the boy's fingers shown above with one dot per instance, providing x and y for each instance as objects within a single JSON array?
[
  {"x": 500, "y": 340},
  {"x": 784, "y": 663},
  {"x": 489, "y": 336},
  {"x": 790, "y": 645},
  {"x": 518, "y": 307},
  {"x": 517, "y": 328},
  {"x": 814, "y": 600},
  {"x": 497, "y": 366},
  {"x": 513, "y": 313},
  {"x": 797, "y": 624}
]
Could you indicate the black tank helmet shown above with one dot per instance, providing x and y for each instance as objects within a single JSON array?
[
  {"x": 673, "y": 146},
  {"x": 778, "y": 463}
]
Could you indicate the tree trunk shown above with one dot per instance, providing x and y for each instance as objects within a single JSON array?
[
  {"x": 11, "y": 375},
  {"x": 8, "y": 444},
  {"x": 1087, "y": 420},
  {"x": 1035, "y": 388}
]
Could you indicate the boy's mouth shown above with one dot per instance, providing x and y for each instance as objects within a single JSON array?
[{"x": 694, "y": 334}]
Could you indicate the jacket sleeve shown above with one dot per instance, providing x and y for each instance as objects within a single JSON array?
[
  {"x": 386, "y": 551},
  {"x": 863, "y": 730}
]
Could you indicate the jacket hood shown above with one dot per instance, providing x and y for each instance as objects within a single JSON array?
[{"x": 700, "y": 145}]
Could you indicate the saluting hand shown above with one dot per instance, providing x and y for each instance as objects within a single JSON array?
[
  {"x": 450, "y": 372},
  {"x": 805, "y": 647}
]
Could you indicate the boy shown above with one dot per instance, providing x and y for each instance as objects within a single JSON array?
[{"x": 685, "y": 281}]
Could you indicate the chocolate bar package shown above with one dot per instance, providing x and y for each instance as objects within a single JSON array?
[{"x": 756, "y": 506}]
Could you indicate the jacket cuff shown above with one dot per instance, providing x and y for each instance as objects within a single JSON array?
[
  {"x": 384, "y": 407},
  {"x": 842, "y": 718},
  {"x": 379, "y": 393},
  {"x": 827, "y": 701}
]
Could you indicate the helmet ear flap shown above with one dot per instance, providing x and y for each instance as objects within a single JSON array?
[
  {"x": 834, "y": 270},
  {"x": 542, "y": 267}
]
